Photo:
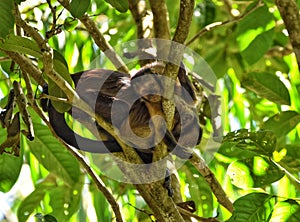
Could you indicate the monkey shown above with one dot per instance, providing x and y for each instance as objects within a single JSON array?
[{"x": 112, "y": 92}]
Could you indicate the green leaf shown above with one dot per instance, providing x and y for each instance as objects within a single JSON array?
[
  {"x": 79, "y": 7},
  {"x": 255, "y": 33},
  {"x": 253, "y": 172},
  {"x": 52, "y": 155},
  {"x": 70, "y": 24},
  {"x": 291, "y": 159},
  {"x": 252, "y": 208},
  {"x": 7, "y": 19},
  {"x": 21, "y": 45},
  {"x": 267, "y": 86},
  {"x": 230, "y": 149},
  {"x": 198, "y": 189},
  {"x": 10, "y": 167},
  {"x": 100, "y": 204},
  {"x": 258, "y": 47},
  {"x": 282, "y": 123},
  {"x": 215, "y": 58},
  {"x": 260, "y": 143},
  {"x": 65, "y": 200},
  {"x": 288, "y": 210},
  {"x": 120, "y": 5},
  {"x": 259, "y": 18},
  {"x": 28, "y": 205},
  {"x": 60, "y": 65},
  {"x": 239, "y": 175}
]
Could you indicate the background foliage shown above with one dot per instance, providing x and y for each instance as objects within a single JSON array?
[{"x": 258, "y": 161}]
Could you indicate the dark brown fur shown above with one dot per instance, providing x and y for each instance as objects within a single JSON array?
[{"x": 100, "y": 88}]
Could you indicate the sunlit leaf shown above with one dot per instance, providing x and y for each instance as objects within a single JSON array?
[
  {"x": 29, "y": 204},
  {"x": 21, "y": 45},
  {"x": 258, "y": 47},
  {"x": 253, "y": 207},
  {"x": 254, "y": 172},
  {"x": 288, "y": 210},
  {"x": 267, "y": 86},
  {"x": 239, "y": 174},
  {"x": 65, "y": 200},
  {"x": 52, "y": 155},
  {"x": 282, "y": 123},
  {"x": 260, "y": 17}
]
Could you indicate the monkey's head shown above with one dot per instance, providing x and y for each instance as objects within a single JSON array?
[{"x": 148, "y": 85}]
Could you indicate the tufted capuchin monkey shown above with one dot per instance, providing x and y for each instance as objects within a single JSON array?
[{"x": 126, "y": 103}]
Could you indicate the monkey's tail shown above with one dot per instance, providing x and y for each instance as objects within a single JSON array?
[{"x": 61, "y": 128}]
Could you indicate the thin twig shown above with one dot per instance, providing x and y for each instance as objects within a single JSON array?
[
  {"x": 290, "y": 175},
  {"x": 187, "y": 213},
  {"x": 53, "y": 98},
  {"x": 5, "y": 59},
  {"x": 30, "y": 30},
  {"x": 160, "y": 19},
  {"x": 215, "y": 25}
]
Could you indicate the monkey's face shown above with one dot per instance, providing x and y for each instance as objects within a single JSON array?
[
  {"x": 186, "y": 127},
  {"x": 148, "y": 87}
]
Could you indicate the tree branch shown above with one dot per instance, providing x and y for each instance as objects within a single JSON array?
[
  {"x": 210, "y": 178},
  {"x": 144, "y": 23},
  {"x": 290, "y": 14},
  {"x": 176, "y": 54},
  {"x": 139, "y": 13},
  {"x": 160, "y": 19},
  {"x": 184, "y": 20}
]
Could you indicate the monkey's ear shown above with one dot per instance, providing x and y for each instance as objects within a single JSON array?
[
  {"x": 188, "y": 94},
  {"x": 45, "y": 101}
]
